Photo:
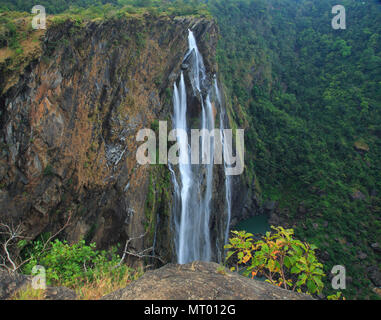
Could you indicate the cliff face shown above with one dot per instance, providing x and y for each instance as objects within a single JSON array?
[{"x": 69, "y": 124}]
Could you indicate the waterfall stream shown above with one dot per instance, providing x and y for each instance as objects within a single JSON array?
[
  {"x": 228, "y": 192},
  {"x": 193, "y": 185}
]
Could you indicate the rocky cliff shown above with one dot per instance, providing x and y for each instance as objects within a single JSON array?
[{"x": 69, "y": 119}]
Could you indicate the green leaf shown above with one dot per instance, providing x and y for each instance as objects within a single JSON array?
[
  {"x": 287, "y": 262},
  {"x": 295, "y": 269},
  {"x": 229, "y": 254},
  {"x": 311, "y": 286}
]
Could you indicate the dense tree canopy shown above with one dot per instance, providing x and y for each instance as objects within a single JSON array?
[{"x": 310, "y": 98}]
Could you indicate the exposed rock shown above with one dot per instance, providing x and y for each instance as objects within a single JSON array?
[
  {"x": 374, "y": 275},
  {"x": 321, "y": 296},
  {"x": 358, "y": 195},
  {"x": 200, "y": 281},
  {"x": 316, "y": 190},
  {"x": 361, "y": 146},
  {"x": 376, "y": 247},
  {"x": 59, "y": 293},
  {"x": 324, "y": 255},
  {"x": 274, "y": 219},
  {"x": 302, "y": 209},
  {"x": 184, "y": 66},
  {"x": 362, "y": 255},
  {"x": 270, "y": 205},
  {"x": 377, "y": 291},
  {"x": 245, "y": 199},
  {"x": 10, "y": 283}
]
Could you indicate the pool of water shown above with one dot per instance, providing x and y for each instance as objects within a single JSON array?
[{"x": 258, "y": 224}]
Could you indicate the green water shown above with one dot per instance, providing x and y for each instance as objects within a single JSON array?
[{"x": 258, "y": 224}]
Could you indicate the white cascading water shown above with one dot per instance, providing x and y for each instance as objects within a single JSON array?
[
  {"x": 228, "y": 193},
  {"x": 193, "y": 192},
  {"x": 198, "y": 68}
]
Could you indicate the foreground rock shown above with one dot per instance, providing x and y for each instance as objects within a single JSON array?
[
  {"x": 10, "y": 283},
  {"x": 200, "y": 281},
  {"x": 59, "y": 293}
]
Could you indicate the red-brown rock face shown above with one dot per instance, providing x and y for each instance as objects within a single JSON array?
[{"x": 68, "y": 129}]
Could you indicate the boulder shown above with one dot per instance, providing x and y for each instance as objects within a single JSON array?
[
  {"x": 302, "y": 210},
  {"x": 200, "y": 281},
  {"x": 361, "y": 146},
  {"x": 270, "y": 205},
  {"x": 324, "y": 255},
  {"x": 185, "y": 66},
  {"x": 377, "y": 291},
  {"x": 11, "y": 282},
  {"x": 59, "y": 293},
  {"x": 376, "y": 247},
  {"x": 374, "y": 275},
  {"x": 357, "y": 195},
  {"x": 362, "y": 255}
]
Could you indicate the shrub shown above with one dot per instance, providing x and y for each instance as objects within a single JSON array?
[
  {"x": 284, "y": 261},
  {"x": 76, "y": 265}
]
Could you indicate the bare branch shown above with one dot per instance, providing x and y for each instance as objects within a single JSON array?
[
  {"x": 12, "y": 234},
  {"x": 57, "y": 233},
  {"x": 139, "y": 255}
]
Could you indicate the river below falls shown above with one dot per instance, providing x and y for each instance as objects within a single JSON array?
[{"x": 256, "y": 225}]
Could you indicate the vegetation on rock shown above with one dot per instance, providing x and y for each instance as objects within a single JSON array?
[
  {"x": 90, "y": 272},
  {"x": 283, "y": 260}
]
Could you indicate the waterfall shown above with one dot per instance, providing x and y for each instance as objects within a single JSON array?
[
  {"x": 186, "y": 174},
  {"x": 228, "y": 193},
  {"x": 193, "y": 185},
  {"x": 198, "y": 68}
]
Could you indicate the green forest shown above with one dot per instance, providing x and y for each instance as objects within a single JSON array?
[{"x": 309, "y": 99}]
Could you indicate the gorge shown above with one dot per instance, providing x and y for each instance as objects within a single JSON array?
[{"x": 74, "y": 97}]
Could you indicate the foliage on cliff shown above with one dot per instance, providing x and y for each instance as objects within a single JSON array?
[
  {"x": 309, "y": 97},
  {"x": 175, "y": 7}
]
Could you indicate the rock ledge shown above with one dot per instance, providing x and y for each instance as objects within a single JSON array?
[{"x": 200, "y": 281}]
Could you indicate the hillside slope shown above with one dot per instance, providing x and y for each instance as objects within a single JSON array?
[{"x": 309, "y": 97}]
